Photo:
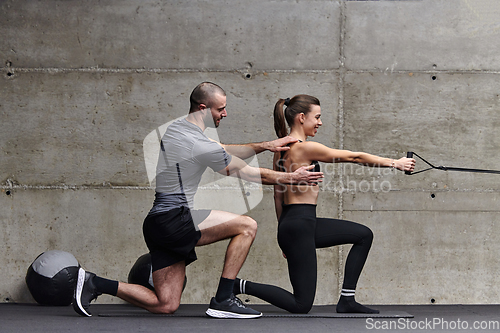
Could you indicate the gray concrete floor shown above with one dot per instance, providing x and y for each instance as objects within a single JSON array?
[{"x": 427, "y": 318}]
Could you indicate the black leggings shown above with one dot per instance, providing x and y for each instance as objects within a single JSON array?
[{"x": 300, "y": 233}]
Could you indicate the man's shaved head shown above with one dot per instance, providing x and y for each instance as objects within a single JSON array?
[{"x": 203, "y": 94}]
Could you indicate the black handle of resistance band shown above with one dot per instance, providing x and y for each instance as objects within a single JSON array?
[{"x": 409, "y": 155}]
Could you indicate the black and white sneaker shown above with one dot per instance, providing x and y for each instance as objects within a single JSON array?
[
  {"x": 232, "y": 307},
  {"x": 85, "y": 292}
]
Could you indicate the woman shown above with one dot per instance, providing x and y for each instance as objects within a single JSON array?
[{"x": 300, "y": 232}]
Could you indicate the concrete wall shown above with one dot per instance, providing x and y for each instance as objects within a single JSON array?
[{"x": 83, "y": 83}]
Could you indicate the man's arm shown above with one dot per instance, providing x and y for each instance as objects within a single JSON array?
[
  {"x": 238, "y": 168},
  {"x": 247, "y": 150}
]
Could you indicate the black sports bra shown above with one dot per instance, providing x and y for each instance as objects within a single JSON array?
[{"x": 316, "y": 168}]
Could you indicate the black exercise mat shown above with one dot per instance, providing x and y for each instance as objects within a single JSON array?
[{"x": 198, "y": 310}]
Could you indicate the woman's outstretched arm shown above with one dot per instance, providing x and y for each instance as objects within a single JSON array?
[{"x": 318, "y": 152}]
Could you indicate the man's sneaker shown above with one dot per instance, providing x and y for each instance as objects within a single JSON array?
[
  {"x": 231, "y": 308},
  {"x": 85, "y": 292}
]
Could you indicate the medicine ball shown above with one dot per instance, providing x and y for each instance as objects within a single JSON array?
[
  {"x": 142, "y": 273},
  {"x": 51, "y": 278}
]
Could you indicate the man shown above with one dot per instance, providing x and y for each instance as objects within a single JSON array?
[{"x": 173, "y": 229}]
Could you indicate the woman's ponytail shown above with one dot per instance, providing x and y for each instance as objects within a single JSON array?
[{"x": 279, "y": 119}]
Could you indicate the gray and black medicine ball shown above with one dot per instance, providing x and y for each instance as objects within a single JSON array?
[{"x": 51, "y": 278}]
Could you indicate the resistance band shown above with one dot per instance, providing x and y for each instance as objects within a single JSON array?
[{"x": 444, "y": 168}]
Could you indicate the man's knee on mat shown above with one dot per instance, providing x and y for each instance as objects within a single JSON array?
[{"x": 165, "y": 307}]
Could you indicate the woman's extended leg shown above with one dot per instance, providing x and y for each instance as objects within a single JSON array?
[{"x": 332, "y": 232}]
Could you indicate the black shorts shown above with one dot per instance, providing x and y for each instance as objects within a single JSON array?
[{"x": 172, "y": 236}]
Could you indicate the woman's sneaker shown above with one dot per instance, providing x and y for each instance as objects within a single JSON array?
[
  {"x": 232, "y": 307},
  {"x": 85, "y": 292}
]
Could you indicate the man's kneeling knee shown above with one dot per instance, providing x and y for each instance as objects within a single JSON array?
[{"x": 167, "y": 308}]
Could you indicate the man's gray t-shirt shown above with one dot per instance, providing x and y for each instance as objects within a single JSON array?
[{"x": 185, "y": 154}]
